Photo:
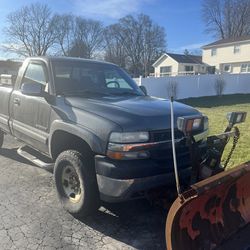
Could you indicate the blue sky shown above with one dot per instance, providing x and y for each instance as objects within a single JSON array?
[{"x": 181, "y": 18}]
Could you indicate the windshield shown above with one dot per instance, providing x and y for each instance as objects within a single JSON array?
[{"x": 78, "y": 78}]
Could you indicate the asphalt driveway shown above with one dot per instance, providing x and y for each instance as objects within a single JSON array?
[{"x": 31, "y": 216}]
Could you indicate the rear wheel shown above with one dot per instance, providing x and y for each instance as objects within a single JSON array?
[
  {"x": 1, "y": 138},
  {"x": 76, "y": 183}
]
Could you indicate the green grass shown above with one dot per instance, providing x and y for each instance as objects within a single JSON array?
[{"x": 216, "y": 109}]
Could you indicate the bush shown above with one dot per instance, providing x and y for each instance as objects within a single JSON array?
[
  {"x": 219, "y": 86},
  {"x": 172, "y": 89}
]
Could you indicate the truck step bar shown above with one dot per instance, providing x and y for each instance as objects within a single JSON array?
[{"x": 36, "y": 157}]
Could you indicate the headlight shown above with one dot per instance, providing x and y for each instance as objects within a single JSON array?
[
  {"x": 128, "y": 155},
  {"x": 129, "y": 137},
  {"x": 128, "y": 145}
]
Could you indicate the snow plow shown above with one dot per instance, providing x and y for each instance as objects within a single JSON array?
[{"x": 216, "y": 203}]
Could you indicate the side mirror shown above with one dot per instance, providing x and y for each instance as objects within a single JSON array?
[
  {"x": 32, "y": 89},
  {"x": 143, "y": 89}
]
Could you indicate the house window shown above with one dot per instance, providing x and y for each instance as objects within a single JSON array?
[
  {"x": 211, "y": 69},
  {"x": 236, "y": 49},
  {"x": 166, "y": 70},
  {"x": 245, "y": 67},
  {"x": 213, "y": 52},
  {"x": 227, "y": 68},
  {"x": 189, "y": 68}
]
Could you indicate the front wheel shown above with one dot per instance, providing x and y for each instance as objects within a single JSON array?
[
  {"x": 75, "y": 182},
  {"x": 1, "y": 138}
]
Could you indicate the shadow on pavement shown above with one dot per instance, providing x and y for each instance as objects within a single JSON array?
[
  {"x": 135, "y": 223},
  {"x": 12, "y": 154}
]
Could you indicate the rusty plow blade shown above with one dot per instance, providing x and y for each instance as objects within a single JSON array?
[{"x": 210, "y": 211}]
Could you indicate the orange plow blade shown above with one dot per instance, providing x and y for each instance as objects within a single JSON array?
[{"x": 210, "y": 211}]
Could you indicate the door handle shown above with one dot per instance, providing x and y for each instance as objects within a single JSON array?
[{"x": 17, "y": 101}]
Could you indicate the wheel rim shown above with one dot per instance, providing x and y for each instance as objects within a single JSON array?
[{"x": 71, "y": 184}]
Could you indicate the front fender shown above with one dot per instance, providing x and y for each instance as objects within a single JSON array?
[{"x": 96, "y": 144}]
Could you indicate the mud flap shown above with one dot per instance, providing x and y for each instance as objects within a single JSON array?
[{"x": 210, "y": 211}]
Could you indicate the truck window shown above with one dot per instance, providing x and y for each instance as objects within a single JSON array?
[
  {"x": 78, "y": 77},
  {"x": 35, "y": 73},
  {"x": 114, "y": 79}
]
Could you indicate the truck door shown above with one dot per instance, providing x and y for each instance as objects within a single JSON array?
[{"x": 31, "y": 114}]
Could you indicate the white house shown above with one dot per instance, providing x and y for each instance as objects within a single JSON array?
[
  {"x": 170, "y": 64},
  {"x": 228, "y": 55}
]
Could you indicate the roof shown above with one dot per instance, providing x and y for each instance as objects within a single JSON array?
[
  {"x": 66, "y": 58},
  {"x": 227, "y": 41},
  {"x": 186, "y": 58},
  {"x": 180, "y": 58}
]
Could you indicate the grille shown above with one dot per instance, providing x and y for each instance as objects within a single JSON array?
[
  {"x": 164, "y": 157},
  {"x": 164, "y": 135},
  {"x": 163, "y": 153}
]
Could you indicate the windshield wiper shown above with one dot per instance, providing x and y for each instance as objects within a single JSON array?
[{"x": 125, "y": 93}]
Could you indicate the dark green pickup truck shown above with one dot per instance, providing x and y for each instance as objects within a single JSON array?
[{"x": 105, "y": 138}]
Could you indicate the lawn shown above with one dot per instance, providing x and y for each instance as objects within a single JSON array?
[{"x": 216, "y": 109}]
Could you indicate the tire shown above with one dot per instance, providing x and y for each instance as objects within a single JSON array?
[
  {"x": 1, "y": 138},
  {"x": 82, "y": 197}
]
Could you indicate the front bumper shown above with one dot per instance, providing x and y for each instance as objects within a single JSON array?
[
  {"x": 124, "y": 180},
  {"x": 116, "y": 190}
]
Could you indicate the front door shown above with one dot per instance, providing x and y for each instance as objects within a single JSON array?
[{"x": 31, "y": 114}]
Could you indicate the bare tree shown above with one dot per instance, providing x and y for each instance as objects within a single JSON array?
[
  {"x": 114, "y": 47},
  {"x": 65, "y": 32},
  {"x": 77, "y": 36},
  {"x": 186, "y": 52},
  {"x": 88, "y": 35},
  {"x": 139, "y": 41},
  {"x": 78, "y": 49},
  {"x": 30, "y": 30},
  {"x": 130, "y": 32},
  {"x": 153, "y": 42},
  {"x": 227, "y": 18}
]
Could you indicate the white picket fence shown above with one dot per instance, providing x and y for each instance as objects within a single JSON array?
[{"x": 196, "y": 86}]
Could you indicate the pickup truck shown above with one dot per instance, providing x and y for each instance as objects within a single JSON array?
[{"x": 105, "y": 138}]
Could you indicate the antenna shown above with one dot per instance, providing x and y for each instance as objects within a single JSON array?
[{"x": 173, "y": 147}]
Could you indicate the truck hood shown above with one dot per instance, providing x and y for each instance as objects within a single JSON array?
[{"x": 132, "y": 113}]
